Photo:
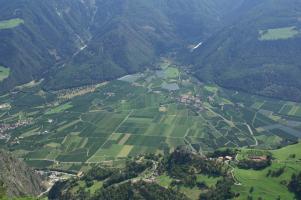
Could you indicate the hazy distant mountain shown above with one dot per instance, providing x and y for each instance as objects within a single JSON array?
[{"x": 258, "y": 52}]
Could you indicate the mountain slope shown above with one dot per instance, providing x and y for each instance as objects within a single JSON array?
[
  {"x": 238, "y": 173},
  {"x": 17, "y": 179},
  {"x": 173, "y": 176},
  {"x": 258, "y": 53},
  {"x": 49, "y": 34},
  {"x": 75, "y": 42},
  {"x": 129, "y": 35}
]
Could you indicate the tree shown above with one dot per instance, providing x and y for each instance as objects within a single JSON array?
[
  {"x": 295, "y": 185},
  {"x": 221, "y": 191},
  {"x": 251, "y": 190}
]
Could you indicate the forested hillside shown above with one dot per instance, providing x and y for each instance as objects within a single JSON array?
[
  {"x": 227, "y": 173},
  {"x": 177, "y": 176},
  {"x": 72, "y": 42},
  {"x": 257, "y": 52},
  {"x": 243, "y": 44},
  {"x": 50, "y": 32}
]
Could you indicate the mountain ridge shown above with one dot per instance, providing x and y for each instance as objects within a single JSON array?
[
  {"x": 18, "y": 179},
  {"x": 83, "y": 40}
]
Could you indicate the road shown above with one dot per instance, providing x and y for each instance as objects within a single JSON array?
[{"x": 251, "y": 132}]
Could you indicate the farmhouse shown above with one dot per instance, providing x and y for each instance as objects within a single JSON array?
[{"x": 162, "y": 109}]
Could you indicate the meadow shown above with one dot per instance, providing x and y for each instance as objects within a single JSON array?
[
  {"x": 278, "y": 33},
  {"x": 11, "y": 23},
  {"x": 266, "y": 186},
  {"x": 4, "y": 73}
]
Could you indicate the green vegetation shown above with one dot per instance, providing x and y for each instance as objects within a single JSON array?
[
  {"x": 172, "y": 72},
  {"x": 252, "y": 55},
  {"x": 12, "y": 23},
  {"x": 150, "y": 114},
  {"x": 288, "y": 152},
  {"x": 133, "y": 116},
  {"x": 59, "y": 109},
  {"x": 211, "y": 88},
  {"x": 4, "y": 73},
  {"x": 273, "y": 178},
  {"x": 295, "y": 185},
  {"x": 126, "y": 49},
  {"x": 164, "y": 180},
  {"x": 278, "y": 33},
  {"x": 147, "y": 176},
  {"x": 188, "y": 176}
]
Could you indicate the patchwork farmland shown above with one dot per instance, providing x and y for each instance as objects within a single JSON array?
[{"x": 152, "y": 112}]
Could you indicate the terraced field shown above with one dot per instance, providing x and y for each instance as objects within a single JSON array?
[{"x": 151, "y": 112}]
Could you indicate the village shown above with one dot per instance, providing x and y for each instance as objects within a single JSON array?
[
  {"x": 5, "y": 128},
  {"x": 192, "y": 100}
]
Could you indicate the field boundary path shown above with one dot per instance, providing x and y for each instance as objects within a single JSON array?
[{"x": 252, "y": 133}]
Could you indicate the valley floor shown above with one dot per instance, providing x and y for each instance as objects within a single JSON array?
[{"x": 150, "y": 112}]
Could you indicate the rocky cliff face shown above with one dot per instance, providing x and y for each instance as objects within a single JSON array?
[{"x": 17, "y": 178}]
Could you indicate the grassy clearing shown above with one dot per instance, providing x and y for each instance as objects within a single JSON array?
[
  {"x": 95, "y": 187},
  {"x": 209, "y": 180},
  {"x": 4, "y": 73},
  {"x": 278, "y": 33},
  {"x": 268, "y": 187},
  {"x": 172, "y": 72},
  {"x": 164, "y": 180},
  {"x": 192, "y": 193},
  {"x": 284, "y": 153},
  {"x": 12, "y": 23},
  {"x": 211, "y": 88}
]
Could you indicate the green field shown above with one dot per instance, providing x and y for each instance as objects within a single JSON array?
[
  {"x": 59, "y": 109},
  {"x": 4, "y": 73},
  {"x": 172, "y": 72},
  {"x": 268, "y": 187},
  {"x": 278, "y": 33},
  {"x": 12, "y": 23},
  {"x": 135, "y": 115},
  {"x": 193, "y": 193}
]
